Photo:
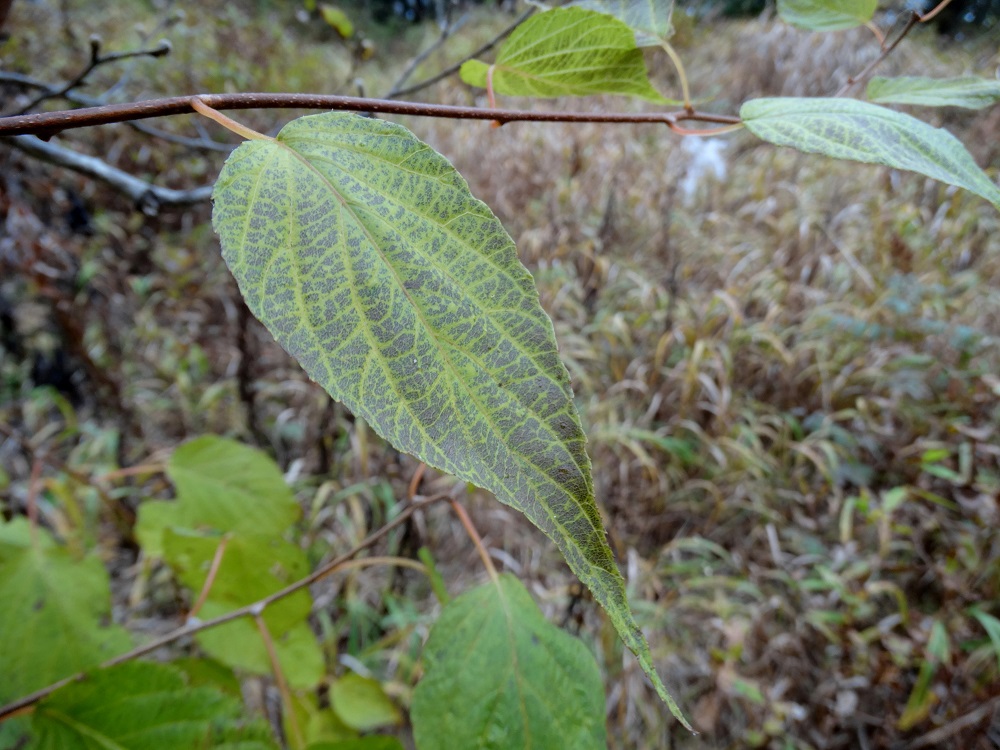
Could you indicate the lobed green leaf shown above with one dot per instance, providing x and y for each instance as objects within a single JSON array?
[
  {"x": 567, "y": 52},
  {"x": 969, "y": 92},
  {"x": 221, "y": 485},
  {"x": 826, "y": 15},
  {"x": 366, "y": 256},
  {"x": 497, "y": 674},
  {"x": 859, "y": 131}
]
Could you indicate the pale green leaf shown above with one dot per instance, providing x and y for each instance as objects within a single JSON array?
[
  {"x": 361, "y": 703},
  {"x": 567, "y": 52},
  {"x": 366, "y": 256},
  {"x": 251, "y": 568},
  {"x": 221, "y": 485},
  {"x": 969, "y": 92},
  {"x": 52, "y": 611},
  {"x": 144, "y": 706},
  {"x": 649, "y": 19},
  {"x": 859, "y": 131},
  {"x": 497, "y": 674},
  {"x": 826, "y": 15}
]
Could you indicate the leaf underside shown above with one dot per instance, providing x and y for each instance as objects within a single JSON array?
[
  {"x": 859, "y": 131},
  {"x": 366, "y": 256},
  {"x": 969, "y": 92},
  {"x": 567, "y": 52},
  {"x": 826, "y": 15},
  {"x": 649, "y": 19}
]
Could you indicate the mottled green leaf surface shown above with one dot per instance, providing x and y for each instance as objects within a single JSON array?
[
  {"x": 826, "y": 15},
  {"x": 498, "y": 675},
  {"x": 221, "y": 485},
  {"x": 53, "y": 611},
  {"x": 144, "y": 706},
  {"x": 251, "y": 568},
  {"x": 366, "y": 256},
  {"x": 649, "y": 19},
  {"x": 969, "y": 92},
  {"x": 859, "y": 131},
  {"x": 567, "y": 52}
]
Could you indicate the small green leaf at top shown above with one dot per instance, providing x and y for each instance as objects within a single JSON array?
[
  {"x": 497, "y": 674},
  {"x": 223, "y": 486},
  {"x": 859, "y": 131},
  {"x": 144, "y": 706},
  {"x": 337, "y": 20},
  {"x": 567, "y": 52},
  {"x": 826, "y": 15},
  {"x": 54, "y": 611},
  {"x": 649, "y": 19},
  {"x": 969, "y": 92}
]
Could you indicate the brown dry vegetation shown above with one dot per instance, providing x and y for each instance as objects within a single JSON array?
[{"x": 790, "y": 378}]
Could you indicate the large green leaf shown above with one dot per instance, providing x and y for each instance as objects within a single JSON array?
[
  {"x": 52, "y": 610},
  {"x": 144, "y": 706},
  {"x": 497, "y": 674},
  {"x": 366, "y": 256},
  {"x": 221, "y": 485},
  {"x": 826, "y": 15},
  {"x": 567, "y": 52},
  {"x": 859, "y": 131},
  {"x": 969, "y": 92},
  {"x": 649, "y": 19},
  {"x": 252, "y": 567}
]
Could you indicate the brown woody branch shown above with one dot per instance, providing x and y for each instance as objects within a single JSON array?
[{"x": 47, "y": 124}]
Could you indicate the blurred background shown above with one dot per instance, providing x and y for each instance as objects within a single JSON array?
[{"x": 788, "y": 367}]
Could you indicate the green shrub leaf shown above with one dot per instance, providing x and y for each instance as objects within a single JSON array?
[
  {"x": 221, "y": 485},
  {"x": 498, "y": 674},
  {"x": 52, "y": 612},
  {"x": 826, "y": 15},
  {"x": 859, "y": 131},
  {"x": 366, "y": 256},
  {"x": 252, "y": 567},
  {"x": 144, "y": 706},
  {"x": 361, "y": 703},
  {"x": 649, "y": 19},
  {"x": 567, "y": 52},
  {"x": 969, "y": 92}
]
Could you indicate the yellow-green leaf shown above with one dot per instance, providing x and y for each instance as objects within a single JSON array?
[
  {"x": 649, "y": 19},
  {"x": 366, "y": 256},
  {"x": 567, "y": 52}
]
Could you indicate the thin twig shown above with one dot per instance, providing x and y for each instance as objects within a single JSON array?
[
  {"x": 279, "y": 677},
  {"x": 913, "y": 20},
  {"x": 452, "y": 69},
  {"x": 446, "y": 31},
  {"x": 477, "y": 540},
  {"x": 250, "y": 610},
  {"x": 213, "y": 571},
  {"x": 50, "y": 123},
  {"x": 202, "y": 142},
  {"x": 96, "y": 60}
]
